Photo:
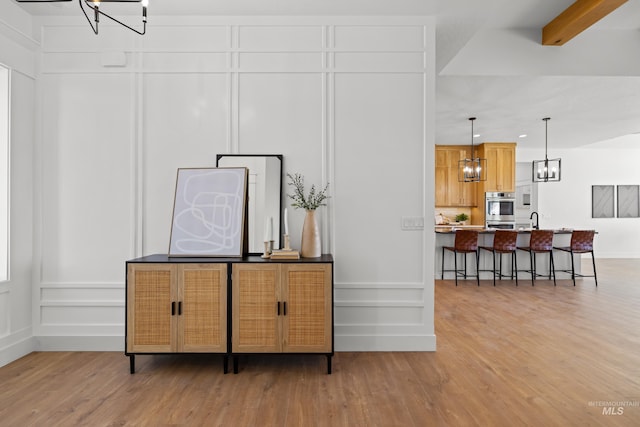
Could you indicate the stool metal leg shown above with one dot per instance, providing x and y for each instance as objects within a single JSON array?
[
  {"x": 464, "y": 256},
  {"x": 478, "y": 267},
  {"x": 593, "y": 259},
  {"x": 552, "y": 268},
  {"x": 455, "y": 265},
  {"x": 532, "y": 260},
  {"x": 494, "y": 268},
  {"x": 573, "y": 269}
]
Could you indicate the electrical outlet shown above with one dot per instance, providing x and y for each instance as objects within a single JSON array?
[{"x": 413, "y": 223}]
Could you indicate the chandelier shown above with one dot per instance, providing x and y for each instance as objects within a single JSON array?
[
  {"x": 548, "y": 169},
  {"x": 473, "y": 169},
  {"x": 94, "y": 9}
]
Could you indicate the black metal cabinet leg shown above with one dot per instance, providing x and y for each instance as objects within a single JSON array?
[
  {"x": 235, "y": 364},
  {"x": 132, "y": 363},
  {"x": 329, "y": 364},
  {"x": 225, "y": 364}
]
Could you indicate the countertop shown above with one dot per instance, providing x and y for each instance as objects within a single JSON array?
[{"x": 448, "y": 229}]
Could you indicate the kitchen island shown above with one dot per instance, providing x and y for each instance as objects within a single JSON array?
[{"x": 445, "y": 236}]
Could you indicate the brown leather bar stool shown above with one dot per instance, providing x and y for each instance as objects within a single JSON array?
[
  {"x": 541, "y": 242},
  {"x": 504, "y": 242},
  {"x": 465, "y": 242},
  {"x": 581, "y": 243}
]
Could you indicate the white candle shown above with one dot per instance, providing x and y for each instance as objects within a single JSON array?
[
  {"x": 270, "y": 228},
  {"x": 286, "y": 222},
  {"x": 266, "y": 229}
]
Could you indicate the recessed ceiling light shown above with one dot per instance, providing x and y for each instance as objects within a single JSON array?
[
  {"x": 477, "y": 135},
  {"x": 524, "y": 135}
]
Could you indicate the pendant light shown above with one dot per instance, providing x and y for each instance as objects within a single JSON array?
[
  {"x": 96, "y": 12},
  {"x": 473, "y": 169},
  {"x": 548, "y": 169}
]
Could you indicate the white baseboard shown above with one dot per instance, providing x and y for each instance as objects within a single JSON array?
[
  {"x": 14, "y": 347},
  {"x": 23, "y": 347},
  {"x": 80, "y": 343},
  {"x": 385, "y": 343}
]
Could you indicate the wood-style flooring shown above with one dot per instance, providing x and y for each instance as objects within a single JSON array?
[{"x": 507, "y": 356}]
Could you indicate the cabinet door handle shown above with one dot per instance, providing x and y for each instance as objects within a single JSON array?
[
  {"x": 285, "y": 308},
  {"x": 180, "y": 308},
  {"x": 278, "y": 304},
  {"x": 173, "y": 308}
]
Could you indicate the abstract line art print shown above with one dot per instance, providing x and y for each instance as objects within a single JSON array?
[{"x": 208, "y": 212}]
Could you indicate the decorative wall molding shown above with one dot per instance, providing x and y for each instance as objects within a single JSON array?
[
  {"x": 18, "y": 36},
  {"x": 232, "y": 59}
]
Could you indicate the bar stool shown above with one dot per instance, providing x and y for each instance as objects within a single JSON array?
[
  {"x": 465, "y": 242},
  {"x": 504, "y": 242},
  {"x": 581, "y": 243},
  {"x": 541, "y": 241}
]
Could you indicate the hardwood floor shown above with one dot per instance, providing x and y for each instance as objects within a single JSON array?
[{"x": 507, "y": 356}]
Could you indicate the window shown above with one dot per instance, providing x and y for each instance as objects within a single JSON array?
[{"x": 4, "y": 172}]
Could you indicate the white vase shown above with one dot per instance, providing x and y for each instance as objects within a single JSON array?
[{"x": 310, "y": 245}]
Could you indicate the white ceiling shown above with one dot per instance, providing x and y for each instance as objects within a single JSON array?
[{"x": 491, "y": 64}]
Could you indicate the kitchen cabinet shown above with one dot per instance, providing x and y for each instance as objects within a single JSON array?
[
  {"x": 283, "y": 307},
  {"x": 174, "y": 307},
  {"x": 448, "y": 190},
  {"x": 501, "y": 175},
  {"x": 501, "y": 166}
]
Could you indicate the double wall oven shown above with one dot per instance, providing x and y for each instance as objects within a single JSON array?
[{"x": 500, "y": 210}]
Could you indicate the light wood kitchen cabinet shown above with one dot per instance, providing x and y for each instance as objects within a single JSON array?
[
  {"x": 176, "y": 308},
  {"x": 448, "y": 190},
  {"x": 282, "y": 308},
  {"x": 501, "y": 175},
  {"x": 501, "y": 166}
]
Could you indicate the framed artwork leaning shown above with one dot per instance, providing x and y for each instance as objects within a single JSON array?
[{"x": 209, "y": 212}]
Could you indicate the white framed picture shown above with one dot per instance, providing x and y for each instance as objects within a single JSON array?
[{"x": 209, "y": 212}]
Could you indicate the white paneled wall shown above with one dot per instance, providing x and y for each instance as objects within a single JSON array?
[
  {"x": 348, "y": 103},
  {"x": 17, "y": 52},
  {"x": 185, "y": 124}
]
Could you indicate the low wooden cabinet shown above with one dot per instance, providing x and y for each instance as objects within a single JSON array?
[
  {"x": 229, "y": 306},
  {"x": 282, "y": 308},
  {"x": 176, "y": 308}
]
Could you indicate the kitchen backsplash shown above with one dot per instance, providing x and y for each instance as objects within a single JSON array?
[{"x": 452, "y": 212}]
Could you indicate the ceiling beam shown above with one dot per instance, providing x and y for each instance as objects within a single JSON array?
[{"x": 575, "y": 19}]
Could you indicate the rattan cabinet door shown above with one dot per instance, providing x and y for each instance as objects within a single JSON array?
[
  {"x": 151, "y": 289},
  {"x": 256, "y": 302},
  {"x": 202, "y": 317},
  {"x": 307, "y": 321}
]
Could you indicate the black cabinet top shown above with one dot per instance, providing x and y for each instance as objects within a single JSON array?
[{"x": 164, "y": 258}]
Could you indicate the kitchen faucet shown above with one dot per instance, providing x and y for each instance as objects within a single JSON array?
[{"x": 536, "y": 226}]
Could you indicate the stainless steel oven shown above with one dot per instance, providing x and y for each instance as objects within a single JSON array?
[
  {"x": 500, "y": 208},
  {"x": 501, "y": 225}
]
